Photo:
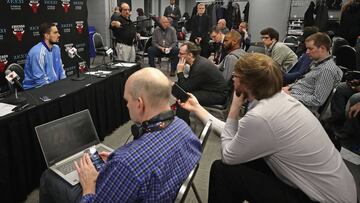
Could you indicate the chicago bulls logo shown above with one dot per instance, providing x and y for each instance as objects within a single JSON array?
[
  {"x": 82, "y": 67},
  {"x": 34, "y": 5},
  {"x": 18, "y": 31},
  {"x": 3, "y": 62},
  {"x": 66, "y": 5},
  {"x": 79, "y": 27}
]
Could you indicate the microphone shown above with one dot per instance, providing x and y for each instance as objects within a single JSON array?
[
  {"x": 72, "y": 52},
  {"x": 13, "y": 79}
]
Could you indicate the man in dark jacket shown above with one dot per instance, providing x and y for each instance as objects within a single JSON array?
[
  {"x": 173, "y": 12},
  {"x": 205, "y": 81},
  {"x": 200, "y": 27}
]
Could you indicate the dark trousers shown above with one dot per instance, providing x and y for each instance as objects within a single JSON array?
[
  {"x": 205, "y": 98},
  {"x": 154, "y": 52},
  {"x": 55, "y": 189},
  {"x": 253, "y": 181},
  {"x": 339, "y": 101}
]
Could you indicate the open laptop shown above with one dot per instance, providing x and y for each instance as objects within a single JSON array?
[{"x": 65, "y": 140}]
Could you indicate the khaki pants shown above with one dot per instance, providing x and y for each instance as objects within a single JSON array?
[{"x": 125, "y": 52}]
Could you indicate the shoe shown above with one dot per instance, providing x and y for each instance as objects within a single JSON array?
[{"x": 172, "y": 73}]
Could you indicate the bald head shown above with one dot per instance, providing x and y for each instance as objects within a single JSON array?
[
  {"x": 164, "y": 21},
  {"x": 151, "y": 85}
]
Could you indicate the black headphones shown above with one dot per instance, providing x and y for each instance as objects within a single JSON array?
[{"x": 154, "y": 124}]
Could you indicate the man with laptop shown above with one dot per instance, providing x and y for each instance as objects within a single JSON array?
[{"x": 151, "y": 168}]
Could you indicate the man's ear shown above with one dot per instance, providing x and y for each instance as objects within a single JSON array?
[{"x": 140, "y": 104}]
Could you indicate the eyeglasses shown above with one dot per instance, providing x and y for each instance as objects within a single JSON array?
[
  {"x": 234, "y": 75},
  {"x": 182, "y": 53}
]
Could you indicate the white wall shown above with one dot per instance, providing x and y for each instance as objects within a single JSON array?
[
  {"x": 265, "y": 13},
  {"x": 99, "y": 16}
]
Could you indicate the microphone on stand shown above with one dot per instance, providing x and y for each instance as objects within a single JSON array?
[
  {"x": 72, "y": 52},
  {"x": 13, "y": 79}
]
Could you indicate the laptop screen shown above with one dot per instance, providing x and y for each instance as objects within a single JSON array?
[{"x": 66, "y": 136}]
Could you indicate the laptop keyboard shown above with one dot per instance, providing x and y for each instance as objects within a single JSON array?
[{"x": 68, "y": 167}]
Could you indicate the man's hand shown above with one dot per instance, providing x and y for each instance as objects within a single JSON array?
[
  {"x": 198, "y": 40},
  {"x": 116, "y": 24},
  {"x": 191, "y": 104},
  {"x": 286, "y": 89},
  {"x": 236, "y": 104},
  {"x": 354, "y": 110},
  {"x": 87, "y": 174},
  {"x": 104, "y": 155},
  {"x": 181, "y": 65}
]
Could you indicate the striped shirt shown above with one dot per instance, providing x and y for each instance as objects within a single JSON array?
[
  {"x": 149, "y": 169},
  {"x": 317, "y": 84}
]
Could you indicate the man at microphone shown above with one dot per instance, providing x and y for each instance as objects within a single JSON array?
[
  {"x": 125, "y": 33},
  {"x": 43, "y": 63}
]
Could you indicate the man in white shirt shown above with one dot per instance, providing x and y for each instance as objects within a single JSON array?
[{"x": 278, "y": 151}]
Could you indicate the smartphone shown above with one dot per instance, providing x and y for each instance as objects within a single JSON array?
[
  {"x": 179, "y": 93},
  {"x": 45, "y": 98},
  {"x": 96, "y": 159}
]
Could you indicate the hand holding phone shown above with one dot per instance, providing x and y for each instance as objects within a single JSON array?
[
  {"x": 179, "y": 93},
  {"x": 96, "y": 159}
]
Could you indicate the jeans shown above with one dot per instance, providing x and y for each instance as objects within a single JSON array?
[{"x": 173, "y": 55}]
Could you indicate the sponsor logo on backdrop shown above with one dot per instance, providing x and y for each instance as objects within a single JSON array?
[
  {"x": 2, "y": 33},
  {"x": 20, "y": 58},
  {"x": 18, "y": 31},
  {"x": 34, "y": 30},
  {"x": 34, "y": 5},
  {"x": 15, "y": 5},
  {"x": 79, "y": 27},
  {"x": 80, "y": 47},
  {"x": 50, "y": 4},
  {"x": 82, "y": 66},
  {"x": 66, "y": 27},
  {"x": 66, "y": 5},
  {"x": 3, "y": 62},
  {"x": 68, "y": 46},
  {"x": 78, "y": 5}
]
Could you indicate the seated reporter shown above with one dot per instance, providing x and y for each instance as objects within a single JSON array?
[
  {"x": 149, "y": 169},
  {"x": 278, "y": 151},
  {"x": 164, "y": 43},
  {"x": 204, "y": 79},
  {"x": 43, "y": 63}
]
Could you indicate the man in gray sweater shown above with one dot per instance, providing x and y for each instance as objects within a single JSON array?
[
  {"x": 164, "y": 43},
  {"x": 232, "y": 47},
  {"x": 278, "y": 51}
]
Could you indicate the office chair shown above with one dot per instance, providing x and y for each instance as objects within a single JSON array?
[
  {"x": 99, "y": 46},
  {"x": 346, "y": 57},
  {"x": 143, "y": 52}
]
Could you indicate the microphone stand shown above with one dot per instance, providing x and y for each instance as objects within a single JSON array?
[{"x": 78, "y": 77}]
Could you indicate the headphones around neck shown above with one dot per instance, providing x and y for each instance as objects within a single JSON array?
[{"x": 154, "y": 124}]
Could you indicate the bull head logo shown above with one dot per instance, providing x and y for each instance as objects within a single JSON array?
[
  {"x": 3, "y": 65},
  {"x": 80, "y": 28},
  {"x": 19, "y": 35},
  {"x": 34, "y": 6},
  {"x": 66, "y": 6}
]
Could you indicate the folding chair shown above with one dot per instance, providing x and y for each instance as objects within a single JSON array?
[
  {"x": 320, "y": 114},
  {"x": 143, "y": 52},
  {"x": 99, "y": 46}
]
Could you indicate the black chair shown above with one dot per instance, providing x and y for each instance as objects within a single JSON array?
[
  {"x": 291, "y": 39},
  {"x": 185, "y": 187},
  {"x": 320, "y": 114},
  {"x": 99, "y": 46},
  {"x": 143, "y": 52},
  {"x": 338, "y": 42},
  {"x": 346, "y": 57},
  {"x": 357, "y": 48}
]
